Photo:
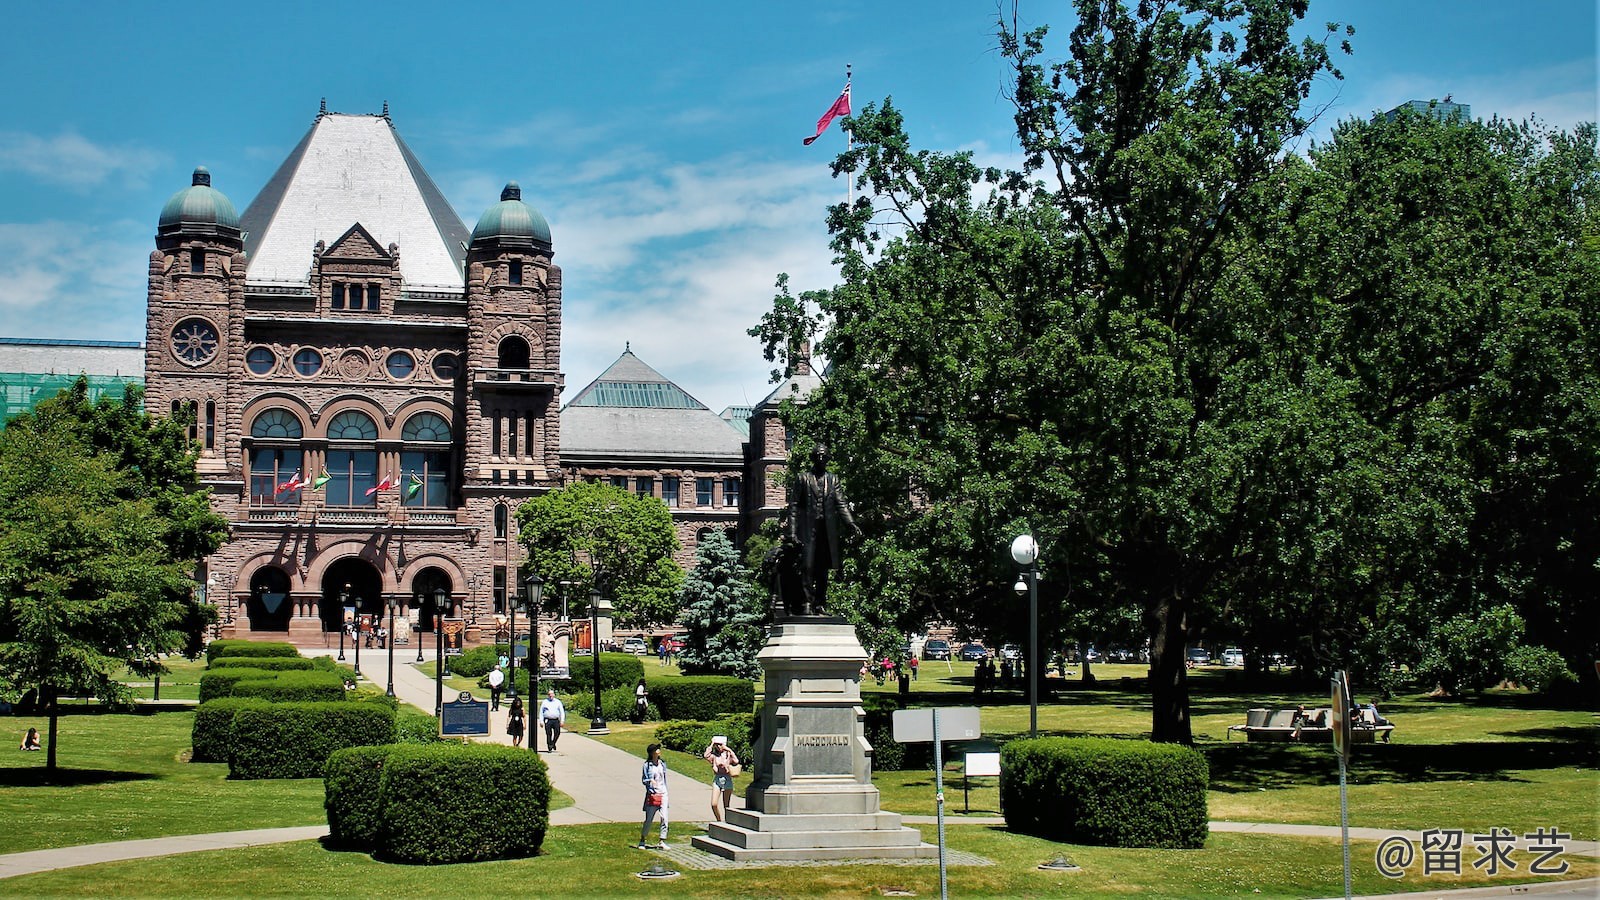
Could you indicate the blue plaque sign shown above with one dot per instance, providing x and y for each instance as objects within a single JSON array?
[{"x": 465, "y": 715}]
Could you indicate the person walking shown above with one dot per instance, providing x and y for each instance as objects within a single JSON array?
[
  {"x": 641, "y": 703},
  {"x": 497, "y": 680},
  {"x": 724, "y": 765},
  {"x": 514, "y": 722},
  {"x": 661, "y": 651},
  {"x": 553, "y": 715},
  {"x": 654, "y": 779}
]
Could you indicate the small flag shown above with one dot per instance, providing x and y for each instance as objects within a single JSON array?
[
  {"x": 294, "y": 483},
  {"x": 387, "y": 484},
  {"x": 840, "y": 107},
  {"x": 322, "y": 479},
  {"x": 414, "y": 486}
]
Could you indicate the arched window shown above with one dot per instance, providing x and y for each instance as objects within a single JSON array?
[
  {"x": 352, "y": 460},
  {"x": 501, "y": 518},
  {"x": 276, "y": 459},
  {"x": 425, "y": 470},
  {"x": 514, "y": 352},
  {"x": 701, "y": 536}
]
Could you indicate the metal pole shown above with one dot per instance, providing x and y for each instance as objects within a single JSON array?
[
  {"x": 389, "y": 646},
  {"x": 341, "y": 632},
  {"x": 1033, "y": 650},
  {"x": 938, "y": 797},
  {"x": 511, "y": 674},
  {"x": 597, "y": 725},
  {"x": 418, "y": 629},
  {"x": 438, "y": 665},
  {"x": 536, "y": 661},
  {"x": 1344, "y": 824},
  {"x": 358, "y": 637}
]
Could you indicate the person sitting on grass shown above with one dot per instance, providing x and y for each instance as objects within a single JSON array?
[{"x": 30, "y": 741}]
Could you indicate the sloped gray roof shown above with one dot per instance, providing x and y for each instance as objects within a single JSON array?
[
  {"x": 350, "y": 169},
  {"x": 797, "y": 386},
  {"x": 633, "y": 410}
]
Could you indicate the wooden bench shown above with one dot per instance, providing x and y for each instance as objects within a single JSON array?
[{"x": 1278, "y": 725}]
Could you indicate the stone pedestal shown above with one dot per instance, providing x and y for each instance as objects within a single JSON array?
[{"x": 813, "y": 796}]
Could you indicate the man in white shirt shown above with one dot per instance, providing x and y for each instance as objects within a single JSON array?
[
  {"x": 497, "y": 680},
  {"x": 553, "y": 715}
]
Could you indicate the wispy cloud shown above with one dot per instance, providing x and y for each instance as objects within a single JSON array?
[
  {"x": 46, "y": 290},
  {"x": 74, "y": 161}
]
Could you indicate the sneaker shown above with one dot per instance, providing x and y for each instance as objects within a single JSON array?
[
  {"x": 662, "y": 845},
  {"x": 641, "y": 846}
]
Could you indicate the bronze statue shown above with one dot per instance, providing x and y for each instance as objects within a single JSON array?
[{"x": 817, "y": 510}]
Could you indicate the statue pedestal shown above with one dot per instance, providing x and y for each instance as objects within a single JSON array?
[{"x": 813, "y": 796}]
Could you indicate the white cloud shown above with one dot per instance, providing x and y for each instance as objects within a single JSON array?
[
  {"x": 71, "y": 281},
  {"x": 72, "y": 160}
]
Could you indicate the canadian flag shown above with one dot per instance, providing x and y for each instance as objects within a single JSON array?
[
  {"x": 294, "y": 483},
  {"x": 840, "y": 107},
  {"x": 387, "y": 484}
]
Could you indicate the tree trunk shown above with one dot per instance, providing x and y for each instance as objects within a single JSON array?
[
  {"x": 48, "y": 695},
  {"x": 1083, "y": 654},
  {"x": 1169, "y": 685}
]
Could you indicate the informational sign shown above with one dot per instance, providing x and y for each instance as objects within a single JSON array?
[
  {"x": 956, "y": 723},
  {"x": 454, "y": 630},
  {"x": 519, "y": 646},
  {"x": 983, "y": 763},
  {"x": 464, "y": 715},
  {"x": 1339, "y": 696}
]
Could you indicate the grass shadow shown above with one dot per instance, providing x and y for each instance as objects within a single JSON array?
[
  {"x": 1243, "y": 767},
  {"x": 38, "y": 776}
]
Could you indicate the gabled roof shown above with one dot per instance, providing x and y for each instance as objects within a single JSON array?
[
  {"x": 632, "y": 410},
  {"x": 350, "y": 169}
]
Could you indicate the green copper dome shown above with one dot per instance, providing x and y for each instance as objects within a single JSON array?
[
  {"x": 512, "y": 221},
  {"x": 199, "y": 204}
]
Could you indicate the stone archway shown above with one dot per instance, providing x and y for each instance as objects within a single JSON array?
[
  {"x": 425, "y": 587},
  {"x": 351, "y": 580},
  {"x": 268, "y": 607}
]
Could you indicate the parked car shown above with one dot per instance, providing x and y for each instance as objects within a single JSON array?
[
  {"x": 1092, "y": 655},
  {"x": 973, "y": 652},
  {"x": 1010, "y": 651},
  {"x": 635, "y": 645},
  {"x": 1198, "y": 656},
  {"x": 1122, "y": 655},
  {"x": 936, "y": 649},
  {"x": 1233, "y": 656}
]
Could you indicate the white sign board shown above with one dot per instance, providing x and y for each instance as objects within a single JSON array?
[
  {"x": 957, "y": 723},
  {"x": 982, "y": 763}
]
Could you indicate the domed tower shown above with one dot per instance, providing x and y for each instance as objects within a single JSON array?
[
  {"x": 513, "y": 355},
  {"x": 195, "y": 292}
]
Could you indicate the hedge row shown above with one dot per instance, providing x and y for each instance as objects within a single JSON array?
[
  {"x": 220, "y": 683},
  {"x": 265, "y": 663},
  {"x": 212, "y": 735},
  {"x": 694, "y": 737},
  {"x": 616, "y": 705},
  {"x": 294, "y": 740},
  {"x": 437, "y": 804},
  {"x": 702, "y": 697},
  {"x": 1105, "y": 791},
  {"x": 616, "y": 670},
  {"x": 236, "y": 647},
  {"x": 291, "y": 687},
  {"x": 477, "y": 662}
]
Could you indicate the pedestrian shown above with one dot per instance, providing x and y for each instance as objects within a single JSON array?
[
  {"x": 661, "y": 651},
  {"x": 514, "y": 722},
  {"x": 641, "y": 703},
  {"x": 654, "y": 779},
  {"x": 724, "y": 765},
  {"x": 672, "y": 650},
  {"x": 553, "y": 715},
  {"x": 914, "y": 666},
  {"x": 497, "y": 681},
  {"x": 30, "y": 741}
]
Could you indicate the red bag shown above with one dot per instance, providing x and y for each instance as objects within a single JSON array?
[{"x": 655, "y": 799}]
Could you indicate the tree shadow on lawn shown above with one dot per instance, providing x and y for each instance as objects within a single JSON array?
[
  {"x": 39, "y": 776},
  {"x": 1245, "y": 767}
]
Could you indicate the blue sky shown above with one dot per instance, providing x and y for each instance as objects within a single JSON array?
[{"x": 662, "y": 141}]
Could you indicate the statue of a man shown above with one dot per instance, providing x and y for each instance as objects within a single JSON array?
[{"x": 817, "y": 510}]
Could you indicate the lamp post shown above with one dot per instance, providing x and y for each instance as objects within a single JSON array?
[
  {"x": 416, "y": 623},
  {"x": 597, "y": 725},
  {"x": 357, "y": 639},
  {"x": 344, "y": 598},
  {"x": 439, "y": 598},
  {"x": 534, "y": 592},
  {"x": 1025, "y": 551},
  {"x": 511, "y": 675},
  {"x": 394, "y": 606}
]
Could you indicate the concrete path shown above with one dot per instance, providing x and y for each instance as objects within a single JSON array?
[{"x": 14, "y": 864}]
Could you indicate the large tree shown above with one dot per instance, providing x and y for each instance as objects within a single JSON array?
[
  {"x": 101, "y": 525},
  {"x": 604, "y": 537},
  {"x": 721, "y": 615}
]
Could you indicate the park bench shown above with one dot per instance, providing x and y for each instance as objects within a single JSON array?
[{"x": 1278, "y": 725}]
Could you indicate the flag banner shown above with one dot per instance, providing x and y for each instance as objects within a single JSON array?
[
  {"x": 293, "y": 484},
  {"x": 413, "y": 487},
  {"x": 840, "y": 107},
  {"x": 387, "y": 484},
  {"x": 322, "y": 479}
]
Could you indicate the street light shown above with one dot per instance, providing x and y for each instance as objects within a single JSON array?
[
  {"x": 511, "y": 675},
  {"x": 1025, "y": 550},
  {"x": 439, "y": 598},
  {"x": 357, "y": 639},
  {"x": 534, "y": 592},
  {"x": 597, "y": 725},
  {"x": 415, "y": 616},
  {"x": 388, "y": 644},
  {"x": 344, "y": 598}
]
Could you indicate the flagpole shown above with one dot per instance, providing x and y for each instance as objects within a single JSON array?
[{"x": 849, "y": 144}]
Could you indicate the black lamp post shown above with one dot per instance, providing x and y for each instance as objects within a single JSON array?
[
  {"x": 534, "y": 592},
  {"x": 439, "y": 598},
  {"x": 1025, "y": 551},
  {"x": 394, "y": 604},
  {"x": 344, "y": 598},
  {"x": 597, "y": 725},
  {"x": 511, "y": 676},
  {"x": 416, "y": 624},
  {"x": 357, "y": 639}
]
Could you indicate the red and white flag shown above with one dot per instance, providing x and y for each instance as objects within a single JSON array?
[
  {"x": 840, "y": 107},
  {"x": 387, "y": 484},
  {"x": 294, "y": 483}
]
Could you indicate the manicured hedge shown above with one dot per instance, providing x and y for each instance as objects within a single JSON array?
[
  {"x": 350, "y": 784},
  {"x": 616, "y": 704},
  {"x": 677, "y": 734},
  {"x": 220, "y": 683},
  {"x": 294, "y": 740},
  {"x": 291, "y": 687},
  {"x": 1105, "y": 791},
  {"x": 211, "y": 738},
  {"x": 702, "y": 697},
  {"x": 477, "y": 662},
  {"x": 235, "y": 647},
  {"x": 694, "y": 737},
  {"x": 450, "y": 803},
  {"x": 616, "y": 670},
  {"x": 265, "y": 663},
  {"x": 413, "y": 727}
]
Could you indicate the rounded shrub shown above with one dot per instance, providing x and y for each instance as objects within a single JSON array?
[
  {"x": 265, "y": 663},
  {"x": 678, "y": 734},
  {"x": 616, "y": 670},
  {"x": 1105, "y": 791},
  {"x": 294, "y": 740},
  {"x": 221, "y": 682},
  {"x": 702, "y": 697},
  {"x": 350, "y": 783},
  {"x": 237, "y": 647},
  {"x": 291, "y": 687},
  {"x": 616, "y": 705},
  {"x": 739, "y": 729},
  {"x": 415, "y": 727},
  {"x": 477, "y": 662},
  {"x": 211, "y": 738},
  {"x": 450, "y": 803}
]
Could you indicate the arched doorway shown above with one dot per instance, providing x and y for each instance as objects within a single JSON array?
[
  {"x": 268, "y": 607},
  {"x": 352, "y": 581},
  {"x": 426, "y": 587}
]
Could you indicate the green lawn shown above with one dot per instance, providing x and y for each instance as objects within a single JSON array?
[
  {"x": 182, "y": 681},
  {"x": 597, "y": 860}
]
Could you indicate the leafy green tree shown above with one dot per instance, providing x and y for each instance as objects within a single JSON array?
[
  {"x": 101, "y": 525},
  {"x": 721, "y": 614},
  {"x": 598, "y": 535}
]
